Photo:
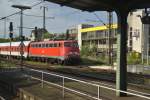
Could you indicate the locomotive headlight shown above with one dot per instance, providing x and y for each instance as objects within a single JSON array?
[
  {"x": 76, "y": 53},
  {"x": 71, "y": 53}
]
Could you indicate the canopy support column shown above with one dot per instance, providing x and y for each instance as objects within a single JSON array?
[{"x": 121, "y": 72}]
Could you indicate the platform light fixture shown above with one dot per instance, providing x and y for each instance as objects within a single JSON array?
[{"x": 22, "y": 8}]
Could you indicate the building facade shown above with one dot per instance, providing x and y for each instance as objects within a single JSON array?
[
  {"x": 138, "y": 34},
  {"x": 135, "y": 31},
  {"x": 98, "y": 36}
]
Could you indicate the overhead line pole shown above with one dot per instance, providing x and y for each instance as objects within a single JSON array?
[
  {"x": 44, "y": 19},
  {"x": 5, "y": 28}
]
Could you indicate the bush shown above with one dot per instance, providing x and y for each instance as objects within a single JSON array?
[
  {"x": 88, "y": 51},
  {"x": 134, "y": 58}
]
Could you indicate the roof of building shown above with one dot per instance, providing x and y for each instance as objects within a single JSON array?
[
  {"x": 26, "y": 43},
  {"x": 98, "y": 28}
]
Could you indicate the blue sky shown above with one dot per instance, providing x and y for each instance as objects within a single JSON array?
[{"x": 65, "y": 17}]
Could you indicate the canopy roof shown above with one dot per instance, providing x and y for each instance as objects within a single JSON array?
[{"x": 99, "y": 5}]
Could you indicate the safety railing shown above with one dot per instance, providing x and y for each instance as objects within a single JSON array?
[
  {"x": 1, "y": 98},
  {"x": 90, "y": 90}
]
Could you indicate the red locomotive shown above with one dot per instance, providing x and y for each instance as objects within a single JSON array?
[{"x": 63, "y": 51}]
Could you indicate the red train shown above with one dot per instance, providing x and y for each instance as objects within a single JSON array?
[{"x": 64, "y": 51}]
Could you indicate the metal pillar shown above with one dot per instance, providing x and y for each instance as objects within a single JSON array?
[
  {"x": 21, "y": 7},
  {"x": 5, "y": 28},
  {"x": 110, "y": 14},
  {"x": 21, "y": 36},
  {"x": 121, "y": 73},
  {"x": 44, "y": 19},
  {"x": 44, "y": 26}
]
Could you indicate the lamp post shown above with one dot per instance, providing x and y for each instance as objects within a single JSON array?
[{"x": 22, "y": 8}]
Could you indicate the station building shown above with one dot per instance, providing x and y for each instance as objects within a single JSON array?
[{"x": 138, "y": 33}]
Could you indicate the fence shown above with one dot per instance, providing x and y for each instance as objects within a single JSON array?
[
  {"x": 60, "y": 81},
  {"x": 1, "y": 98}
]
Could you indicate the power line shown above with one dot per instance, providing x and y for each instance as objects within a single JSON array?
[
  {"x": 20, "y": 11},
  {"x": 39, "y": 16},
  {"x": 99, "y": 19},
  {"x": 27, "y": 27}
]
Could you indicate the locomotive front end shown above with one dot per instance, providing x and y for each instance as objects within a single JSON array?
[{"x": 72, "y": 53}]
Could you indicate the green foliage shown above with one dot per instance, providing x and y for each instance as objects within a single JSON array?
[
  {"x": 134, "y": 58},
  {"x": 47, "y": 35},
  {"x": 89, "y": 56},
  {"x": 4, "y": 40},
  {"x": 88, "y": 51}
]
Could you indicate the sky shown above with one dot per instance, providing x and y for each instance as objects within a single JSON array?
[{"x": 64, "y": 17}]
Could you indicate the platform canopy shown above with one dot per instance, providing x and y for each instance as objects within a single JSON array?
[
  {"x": 107, "y": 5},
  {"x": 122, "y": 8}
]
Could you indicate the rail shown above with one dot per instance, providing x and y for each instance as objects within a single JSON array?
[{"x": 83, "y": 93}]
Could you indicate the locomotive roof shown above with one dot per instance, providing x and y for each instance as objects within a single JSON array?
[
  {"x": 26, "y": 43},
  {"x": 54, "y": 41}
]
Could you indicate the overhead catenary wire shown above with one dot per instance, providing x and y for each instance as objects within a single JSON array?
[
  {"x": 20, "y": 11},
  {"x": 99, "y": 19},
  {"x": 39, "y": 16}
]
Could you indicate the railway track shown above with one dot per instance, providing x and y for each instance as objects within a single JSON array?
[{"x": 77, "y": 72}]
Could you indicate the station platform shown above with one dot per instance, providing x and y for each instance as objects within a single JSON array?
[{"x": 18, "y": 80}]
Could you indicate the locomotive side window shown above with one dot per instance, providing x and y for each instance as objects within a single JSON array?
[
  {"x": 55, "y": 44},
  {"x": 43, "y": 45},
  {"x": 59, "y": 44},
  {"x": 39, "y": 45},
  {"x": 50, "y": 45},
  {"x": 46, "y": 45},
  {"x": 36, "y": 45},
  {"x": 67, "y": 44},
  {"x": 32, "y": 45}
]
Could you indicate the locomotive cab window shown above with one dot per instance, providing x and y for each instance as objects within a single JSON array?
[{"x": 71, "y": 44}]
